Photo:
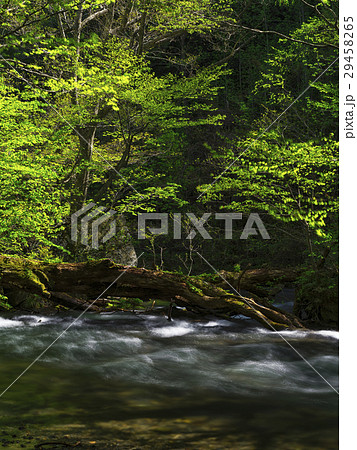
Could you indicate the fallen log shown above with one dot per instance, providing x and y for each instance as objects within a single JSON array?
[
  {"x": 255, "y": 280},
  {"x": 77, "y": 284}
]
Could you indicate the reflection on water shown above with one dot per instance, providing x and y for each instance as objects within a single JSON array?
[{"x": 142, "y": 382}]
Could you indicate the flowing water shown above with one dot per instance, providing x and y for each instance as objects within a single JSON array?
[{"x": 139, "y": 381}]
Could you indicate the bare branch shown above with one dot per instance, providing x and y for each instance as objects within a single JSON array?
[
  {"x": 27, "y": 23},
  {"x": 233, "y": 52},
  {"x": 316, "y": 8},
  {"x": 93, "y": 16},
  {"x": 311, "y": 44},
  {"x": 26, "y": 69},
  {"x": 160, "y": 39}
]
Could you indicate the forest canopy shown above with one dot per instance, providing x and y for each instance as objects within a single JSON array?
[{"x": 201, "y": 106}]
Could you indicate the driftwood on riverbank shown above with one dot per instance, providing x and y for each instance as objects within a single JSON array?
[{"x": 76, "y": 285}]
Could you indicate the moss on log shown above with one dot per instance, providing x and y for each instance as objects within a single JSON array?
[{"x": 77, "y": 284}]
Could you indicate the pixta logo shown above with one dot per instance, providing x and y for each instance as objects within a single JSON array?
[
  {"x": 84, "y": 220},
  {"x": 253, "y": 225}
]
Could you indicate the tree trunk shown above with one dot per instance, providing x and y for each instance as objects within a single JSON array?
[
  {"x": 70, "y": 283},
  {"x": 86, "y": 141}
]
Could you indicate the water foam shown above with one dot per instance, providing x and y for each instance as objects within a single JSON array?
[
  {"x": 9, "y": 323},
  {"x": 179, "y": 329},
  {"x": 301, "y": 333}
]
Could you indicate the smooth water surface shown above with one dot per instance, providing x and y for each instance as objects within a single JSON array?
[{"x": 139, "y": 381}]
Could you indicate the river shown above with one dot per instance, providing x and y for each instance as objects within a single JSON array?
[{"x": 138, "y": 381}]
